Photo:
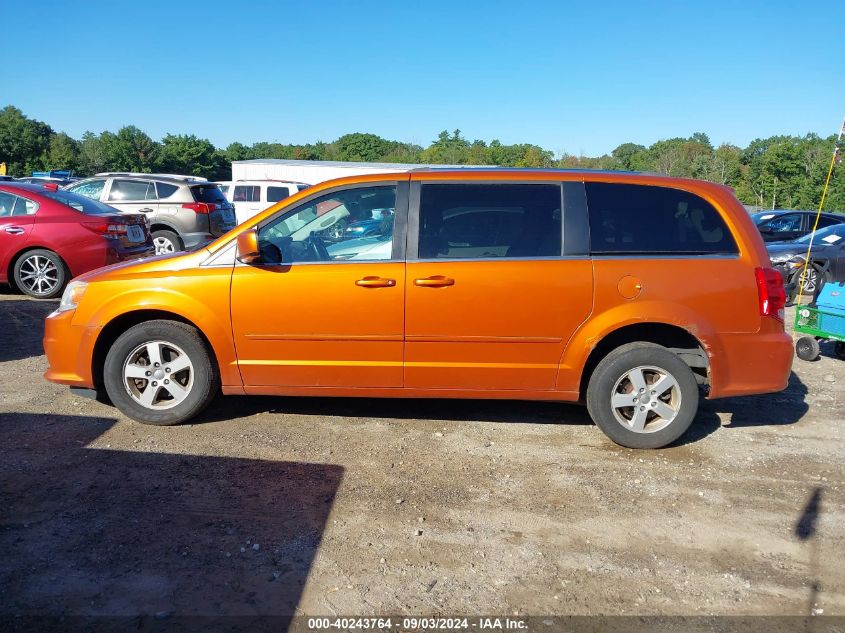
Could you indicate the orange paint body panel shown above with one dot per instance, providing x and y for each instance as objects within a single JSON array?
[{"x": 487, "y": 328}]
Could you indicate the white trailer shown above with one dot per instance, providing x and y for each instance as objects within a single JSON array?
[{"x": 313, "y": 171}]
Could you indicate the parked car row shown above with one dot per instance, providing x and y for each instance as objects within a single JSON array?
[
  {"x": 788, "y": 235},
  {"x": 48, "y": 236}
]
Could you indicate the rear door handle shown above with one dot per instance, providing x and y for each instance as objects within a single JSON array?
[
  {"x": 147, "y": 210},
  {"x": 375, "y": 282},
  {"x": 437, "y": 281},
  {"x": 14, "y": 230}
]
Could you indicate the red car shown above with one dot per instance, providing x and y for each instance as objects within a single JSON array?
[{"x": 48, "y": 236}]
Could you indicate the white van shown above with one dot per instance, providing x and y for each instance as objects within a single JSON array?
[{"x": 250, "y": 197}]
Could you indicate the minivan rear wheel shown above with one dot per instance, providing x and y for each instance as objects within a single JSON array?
[
  {"x": 166, "y": 242},
  {"x": 642, "y": 396},
  {"x": 160, "y": 372}
]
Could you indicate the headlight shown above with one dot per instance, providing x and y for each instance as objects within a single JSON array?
[
  {"x": 779, "y": 259},
  {"x": 72, "y": 296}
]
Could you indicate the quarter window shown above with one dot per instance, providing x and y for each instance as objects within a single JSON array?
[
  {"x": 165, "y": 190},
  {"x": 348, "y": 225},
  {"x": 654, "y": 220},
  {"x": 490, "y": 221}
]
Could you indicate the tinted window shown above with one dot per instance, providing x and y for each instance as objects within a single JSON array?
[
  {"x": 315, "y": 231},
  {"x": 481, "y": 221},
  {"x": 122, "y": 190},
  {"x": 80, "y": 203},
  {"x": 825, "y": 221},
  {"x": 244, "y": 193},
  {"x": 782, "y": 223},
  {"x": 91, "y": 188},
  {"x": 7, "y": 204},
  {"x": 274, "y": 194},
  {"x": 208, "y": 193},
  {"x": 165, "y": 190},
  {"x": 24, "y": 207},
  {"x": 641, "y": 219}
]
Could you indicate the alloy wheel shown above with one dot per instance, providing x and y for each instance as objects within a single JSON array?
[
  {"x": 39, "y": 275},
  {"x": 163, "y": 246},
  {"x": 646, "y": 399},
  {"x": 158, "y": 375}
]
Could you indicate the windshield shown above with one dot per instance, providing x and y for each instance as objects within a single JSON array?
[
  {"x": 83, "y": 204},
  {"x": 829, "y": 235}
]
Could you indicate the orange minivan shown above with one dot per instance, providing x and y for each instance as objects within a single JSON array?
[{"x": 632, "y": 293}]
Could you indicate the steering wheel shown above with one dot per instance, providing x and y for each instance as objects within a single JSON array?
[{"x": 317, "y": 249}]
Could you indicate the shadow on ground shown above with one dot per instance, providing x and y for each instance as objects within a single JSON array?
[
  {"x": 23, "y": 327},
  {"x": 97, "y": 532}
]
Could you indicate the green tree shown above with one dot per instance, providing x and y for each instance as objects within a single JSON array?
[
  {"x": 362, "y": 147},
  {"x": 23, "y": 141},
  {"x": 187, "y": 154},
  {"x": 63, "y": 153}
]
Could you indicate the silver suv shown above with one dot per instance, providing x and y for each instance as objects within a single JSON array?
[{"x": 182, "y": 211}]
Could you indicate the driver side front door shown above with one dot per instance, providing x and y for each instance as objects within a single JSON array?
[{"x": 319, "y": 311}]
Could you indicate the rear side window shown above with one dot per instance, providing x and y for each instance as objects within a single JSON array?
[
  {"x": 489, "y": 221},
  {"x": 274, "y": 194},
  {"x": 80, "y": 203},
  {"x": 208, "y": 193},
  {"x": 123, "y": 190},
  {"x": 639, "y": 219},
  {"x": 247, "y": 193}
]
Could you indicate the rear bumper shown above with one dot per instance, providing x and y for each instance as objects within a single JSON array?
[
  {"x": 748, "y": 364},
  {"x": 69, "y": 350}
]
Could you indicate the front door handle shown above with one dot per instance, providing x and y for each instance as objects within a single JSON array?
[
  {"x": 146, "y": 210},
  {"x": 375, "y": 282},
  {"x": 437, "y": 281},
  {"x": 14, "y": 230}
]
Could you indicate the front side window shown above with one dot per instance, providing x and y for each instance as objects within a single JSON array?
[
  {"x": 489, "y": 221},
  {"x": 317, "y": 231},
  {"x": 90, "y": 189},
  {"x": 124, "y": 190},
  {"x": 653, "y": 220}
]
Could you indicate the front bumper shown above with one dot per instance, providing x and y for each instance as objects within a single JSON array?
[{"x": 69, "y": 349}]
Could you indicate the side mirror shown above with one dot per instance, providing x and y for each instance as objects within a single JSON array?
[
  {"x": 248, "y": 252},
  {"x": 765, "y": 229}
]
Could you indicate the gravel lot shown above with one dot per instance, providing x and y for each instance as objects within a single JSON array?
[{"x": 270, "y": 505}]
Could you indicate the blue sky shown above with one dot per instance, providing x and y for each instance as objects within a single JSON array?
[{"x": 571, "y": 77}]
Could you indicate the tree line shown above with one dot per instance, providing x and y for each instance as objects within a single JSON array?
[{"x": 779, "y": 171}]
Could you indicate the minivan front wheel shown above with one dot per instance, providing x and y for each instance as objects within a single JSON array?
[
  {"x": 160, "y": 372},
  {"x": 166, "y": 242},
  {"x": 642, "y": 396}
]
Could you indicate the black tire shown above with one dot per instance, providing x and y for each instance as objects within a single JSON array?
[
  {"x": 201, "y": 389},
  {"x": 614, "y": 367},
  {"x": 839, "y": 350},
  {"x": 807, "y": 348},
  {"x": 54, "y": 279},
  {"x": 162, "y": 236}
]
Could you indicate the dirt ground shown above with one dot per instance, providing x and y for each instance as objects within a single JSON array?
[{"x": 336, "y": 506}]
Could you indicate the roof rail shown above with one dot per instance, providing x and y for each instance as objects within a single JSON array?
[{"x": 143, "y": 175}]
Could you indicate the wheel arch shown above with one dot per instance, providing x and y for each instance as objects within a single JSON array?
[
  {"x": 119, "y": 324},
  {"x": 674, "y": 337}
]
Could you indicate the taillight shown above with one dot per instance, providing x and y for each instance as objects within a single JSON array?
[
  {"x": 200, "y": 207},
  {"x": 109, "y": 229},
  {"x": 770, "y": 292},
  {"x": 51, "y": 186}
]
